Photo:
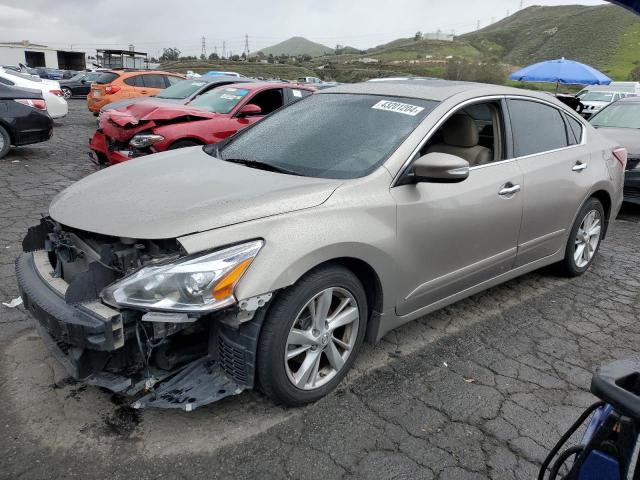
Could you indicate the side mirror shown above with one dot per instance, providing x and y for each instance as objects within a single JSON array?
[
  {"x": 249, "y": 110},
  {"x": 440, "y": 168}
]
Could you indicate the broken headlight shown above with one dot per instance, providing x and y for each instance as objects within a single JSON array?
[
  {"x": 143, "y": 140},
  {"x": 193, "y": 284}
]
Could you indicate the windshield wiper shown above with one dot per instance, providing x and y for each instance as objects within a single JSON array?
[{"x": 261, "y": 165}]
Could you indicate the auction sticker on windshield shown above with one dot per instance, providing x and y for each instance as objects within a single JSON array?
[{"x": 404, "y": 108}]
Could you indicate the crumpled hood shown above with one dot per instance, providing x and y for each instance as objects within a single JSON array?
[
  {"x": 175, "y": 193},
  {"x": 123, "y": 123},
  {"x": 628, "y": 138},
  {"x": 151, "y": 110}
]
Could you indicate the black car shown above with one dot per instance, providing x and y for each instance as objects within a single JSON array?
[
  {"x": 23, "y": 118},
  {"x": 79, "y": 84},
  {"x": 621, "y": 122},
  {"x": 184, "y": 91}
]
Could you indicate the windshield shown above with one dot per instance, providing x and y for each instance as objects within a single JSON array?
[
  {"x": 330, "y": 135},
  {"x": 220, "y": 100},
  {"x": 180, "y": 90},
  {"x": 619, "y": 115},
  {"x": 597, "y": 97}
]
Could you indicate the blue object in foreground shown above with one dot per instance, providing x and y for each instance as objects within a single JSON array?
[
  {"x": 562, "y": 71},
  {"x": 633, "y": 5}
]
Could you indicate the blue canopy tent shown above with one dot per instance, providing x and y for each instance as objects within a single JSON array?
[{"x": 566, "y": 72}]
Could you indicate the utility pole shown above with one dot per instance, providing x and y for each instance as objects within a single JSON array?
[
  {"x": 521, "y": 4},
  {"x": 493, "y": 20},
  {"x": 478, "y": 27},
  {"x": 203, "y": 53},
  {"x": 246, "y": 45},
  {"x": 215, "y": 50},
  {"x": 224, "y": 49}
]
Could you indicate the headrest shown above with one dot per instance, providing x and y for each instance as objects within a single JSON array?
[{"x": 460, "y": 131}]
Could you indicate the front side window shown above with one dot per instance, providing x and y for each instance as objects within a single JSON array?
[
  {"x": 474, "y": 133},
  {"x": 536, "y": 127},
  {"x": 220, "y": 100},
  {"x": 620, "y": 115},
  {"x": 268, "y": 100},
  {"x": 330, "y": 135}
]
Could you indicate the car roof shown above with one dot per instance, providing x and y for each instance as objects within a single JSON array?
[
  {"x": 262, "y": 85},
  {"x": 428, "y": 89},
  {"x": 128, "y": 73},
  {"x": 221, "y": 79}
]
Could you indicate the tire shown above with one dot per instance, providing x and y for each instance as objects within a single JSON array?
[
  {"x": 276, "y": 373},
  {"x": 570, "y": 266},
  {"x": 5, "y": 142},
  {"x": 183, "y": 144},
  {"x": 66, "y": 92}
]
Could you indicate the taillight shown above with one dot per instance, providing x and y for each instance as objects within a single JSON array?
[
  {"x": 111, "y": 89},
  {"x": 620, "y": 154},
  {"x": 39, "y": 104},
  {"x": 58, "y": 93}
]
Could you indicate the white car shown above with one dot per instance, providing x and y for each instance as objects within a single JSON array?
[{"x": 56, "y": 104}]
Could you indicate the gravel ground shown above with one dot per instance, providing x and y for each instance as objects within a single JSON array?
[{"x": 481, "y": 389}]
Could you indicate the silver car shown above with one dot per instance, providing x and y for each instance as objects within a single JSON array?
[{"x": 265, "y": 261}]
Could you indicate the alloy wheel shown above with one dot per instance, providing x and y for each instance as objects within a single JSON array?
[
  {"x": 321, "y": 338},
  {"x": 587, "y": 238},
  {"x": 66, "y": 93},
  {"x": 1, "y": 142}
]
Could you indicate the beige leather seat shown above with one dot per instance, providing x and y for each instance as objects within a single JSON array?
[{"x": 460, "y": 136}]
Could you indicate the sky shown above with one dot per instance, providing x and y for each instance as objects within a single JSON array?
[{"x": 150, "y": 26}]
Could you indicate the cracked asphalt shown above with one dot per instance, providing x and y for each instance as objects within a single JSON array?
[{"x": 481, "y": 389}]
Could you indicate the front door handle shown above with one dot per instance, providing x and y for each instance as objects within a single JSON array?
[
  {"x": 509, "y": 189},
  {"x": 579, "y": 166}
]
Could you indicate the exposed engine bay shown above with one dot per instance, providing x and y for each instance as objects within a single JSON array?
[{"x": 179, "y": 360}]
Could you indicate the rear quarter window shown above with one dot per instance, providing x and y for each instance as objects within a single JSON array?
[{"x": 106, "y": 77}]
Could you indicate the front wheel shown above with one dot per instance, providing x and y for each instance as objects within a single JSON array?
[
  {"x": 5, "y": 142},
  {"x": 311, "y": 336},
  {"x": 584, "y": 239},
  {"x": 66, "y": 93}
]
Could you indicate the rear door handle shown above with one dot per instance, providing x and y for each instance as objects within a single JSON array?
[
  {"x": 509, "y": 189},
  {"x": 579, "y": 166}
]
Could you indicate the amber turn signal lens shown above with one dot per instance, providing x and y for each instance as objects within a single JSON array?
[{"x": 224, "y": 288}]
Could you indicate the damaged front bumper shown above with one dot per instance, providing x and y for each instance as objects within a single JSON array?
[{"x": 165, "y": 360}]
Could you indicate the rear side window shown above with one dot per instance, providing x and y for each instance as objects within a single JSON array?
[
  {"x": 297, "y": 94},
  {"x": 135, "y": 81},
  {"x": 6, "y": 82},
  {"x": 106, "y": 77},
  {"x": 536, "y": 127},
  {"x": 574, "y": 130},
  {"x": 154, "y": 81}
]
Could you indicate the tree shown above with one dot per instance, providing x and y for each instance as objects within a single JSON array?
[
  {"x": 635, "y": 74},
  {"x": 214, "y": 56},
  {"x": 417, "y": 36},
  {"x": 170, "y": 54},
  {"x": 271, "y": 59}
]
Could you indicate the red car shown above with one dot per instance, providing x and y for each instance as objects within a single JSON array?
[{"x": 150, "y": 127}]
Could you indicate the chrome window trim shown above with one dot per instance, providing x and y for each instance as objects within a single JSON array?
[{"x": 445, "y": 117}]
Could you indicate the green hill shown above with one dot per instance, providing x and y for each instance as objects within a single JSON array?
[
  {"x": 605, "y": 36},
  {"x": 295, "y": 47}
]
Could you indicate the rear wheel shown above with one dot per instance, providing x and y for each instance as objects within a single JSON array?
[
  {"x": 184, "y": 144},
  {"x": 5, "y": 142},
  {"x": 66, "y": 92},
  {"x": 311, "y": 336},
  {"x": 584, "y": 239}
]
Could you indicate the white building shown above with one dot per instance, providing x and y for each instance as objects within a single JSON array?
[
  {"x": 34, "y": 55},
  {"x": 443, "y": 37}
]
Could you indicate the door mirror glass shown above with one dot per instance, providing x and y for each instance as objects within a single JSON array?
[
  {"x": 249, "y": 110},
  {"x": 440, "y": 168}
]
